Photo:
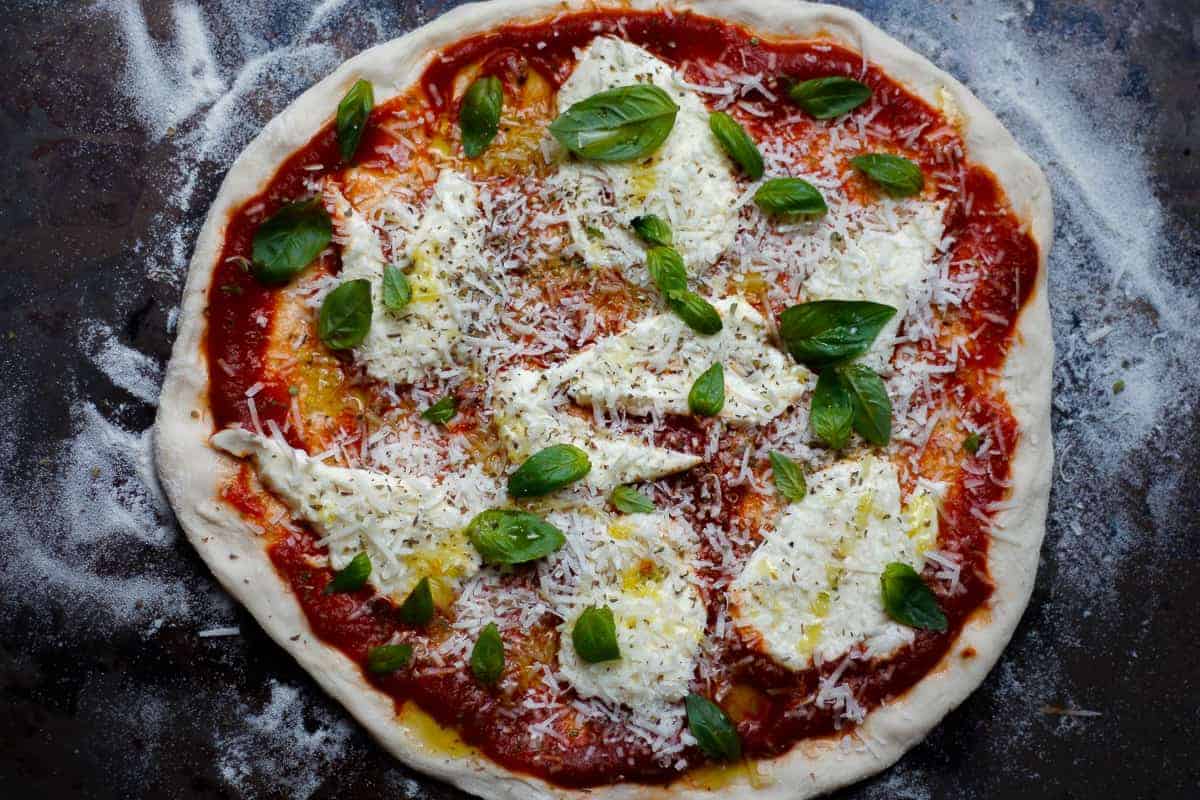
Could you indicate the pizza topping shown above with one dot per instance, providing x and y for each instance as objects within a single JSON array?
[
  {"x": 826, "y": 98},
  {"x": 479, "y": 115},
  {"x": 352, "y": 115},
  {"x": 397, "y": 291},
  {"x": 737, "y": 143},
  {"x": 789, "y": 478},
  {"x": 595, "y": 635},
  {"x": 507, "y": 536},
  {"x": 487, "y": 656},
  {"x": 417, "y": 608},
  {"x": 712, "y": 729},
  {"x": 621, "y": 124},
  {"x": 824, "y": 332},
  {"x": 898, "y": 176},
  {"x": 549, "y": 469},
  {"x": 653, "y": 230},
  {"x": 628, "y": 500},
  {"x": 971, "y": 443},
  {"x": 346, "y": 315},
  {"x": 707, "y": 396},
  {"x": 790, "y": 196},
  {"x": 442, "y": 411},
  {"x": 832, "y": 414},
  {"x": 290, "y": 240},
  {"x": 352, "y": 577},
  {"x": 872, "y": 417},
  {"x": 908, "y": 600},
  {"x": 388, "y": 658}
]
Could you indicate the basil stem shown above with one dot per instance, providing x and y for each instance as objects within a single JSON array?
[
  {"x": 479, "y": 114},
  {"x": 908, "y": 600},
  {"x": 620, "y": 124},
  {"x": 346, "y": 315},
  {"x": 595, "y": 635}
]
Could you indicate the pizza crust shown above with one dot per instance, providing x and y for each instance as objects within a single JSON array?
[{"x": 191, "y": 471}]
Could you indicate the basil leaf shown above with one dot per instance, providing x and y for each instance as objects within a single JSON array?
[
  {"x": 653, "y": 230},
  {"x": 617, "y": 125},
  {"x": 509, "y": 536},
  {"x": 825, "y": 98},
  {"x": 549, "y": 469},
  {"x": 388, "y": 657},
  {"x": 696, "y": 312},
  {"x": 417, "y": 608},
  {"x": 351, "y": 577},
  {"x": 736, "y": 143},
  {"x": 789, "y": 478},
  {"x": 707, "y": 396},
  {"x": 666, "y": 269},
  {"x": 346, "y": 315},
  {"x": 868, "y": 397},
  {"x": 908, "y": 600},
  {"x": 628, "y": 500},
  {"x": 397, "y": 291},
  {"x": 831, "y": 414},
  {"x": 971, "y": 443},
  {"x": 712, "y": 729},
  {"x": 828, "y": 331},
  {"x": 290, "y": 240},
  {"x": 595, "y": 635},
  {"x": 352, "y": 115},
  {"x": 790, "y": 196},
  {"x": 898, "y": 176},
  {"x": 479, "y": 114},
  {"x": 487, "y": 656},
  {"x": 442, "y": 411}
]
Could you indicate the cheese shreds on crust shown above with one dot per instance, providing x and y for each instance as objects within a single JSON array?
[
  {"x": 401, "y": 522},
  {"x": 688, "y": 181},
  {"x": 650, "y": 368},
  {"x": 811, "y": 591}
]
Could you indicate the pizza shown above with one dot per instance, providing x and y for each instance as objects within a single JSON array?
[{"x": 632, "y": 401}]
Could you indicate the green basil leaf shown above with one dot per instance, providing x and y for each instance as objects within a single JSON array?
[
  {"x": 736, "y": 143},
  {"x": 509, "y": 536},
  {"x": 388, "y": 657},
  {"x": 479, "y": 114},
  {"x": 869, "y": 398},
  {"x": 825, "y": 98},
  {"x": 653, "y": 230},
  {"x": 712, "y": 729},
  {"x": 628, "y": 500},
  {"x": 346, "y": 315},
  {"x": 666, "y": 269},
  {"x": 696, "y": 312},
  {"x": 828, "y": 331},
  {"x": 898, "y": 176},
  {"x": 290, "y": 240},
  {"x": 442, "y": 411},
  {"x": 397, "y": 291},
  {"x": 487, "y": 656},
  {"x": 617, "y": 125},
  {"x": 417, "y": 608},
  {"x": 971, "y": 443},
  {"x": 908, "y": 600},
  {"x": 549, "y": 469},
  {"x": 351, "y": 577},
  {"x": 789, "y": 478},
  {"x": 352, "y": 115},
  {"x": 707, "y": 396},
  {"x": 790, "y": 196},
  {"x": 595, "y": 635},
  {"x": 831, "y": 415}
]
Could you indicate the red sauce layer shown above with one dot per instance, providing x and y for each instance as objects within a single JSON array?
[{"x": 989, "y": 241}]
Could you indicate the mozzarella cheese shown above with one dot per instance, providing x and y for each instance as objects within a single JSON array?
[
  {"x": 401, "y": 521},
  {"x": 687, "y": 181},
  {"x": 650, "y": 368},
  {"x": 811, "y": 590},
  {"x": 427, "y": 335},
  {"x": 886, "y": 266},
  {"x": 639, "y": 567},
  {"x": 529, "y": 420}
]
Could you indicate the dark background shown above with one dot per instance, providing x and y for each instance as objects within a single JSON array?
[{"x": 117, "y": 122}]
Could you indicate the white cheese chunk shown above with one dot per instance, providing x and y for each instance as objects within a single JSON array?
[
  {"x": 811, "y": 590},
  {"x": 886, "y": 266},
  {"x": 427, "y": 336},
  {"x": 400, "y": 521},
  {"x": 638, "y": 566},
  {"x": 650, "y": 368},
  {"x": 688, "y": 181},
  {"x": 529, "y": 420}
]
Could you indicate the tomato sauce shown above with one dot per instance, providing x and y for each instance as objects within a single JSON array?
[{"x": 990, "y": 244}]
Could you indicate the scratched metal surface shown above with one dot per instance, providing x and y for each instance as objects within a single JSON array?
[{"x": 117, "y": 122}]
